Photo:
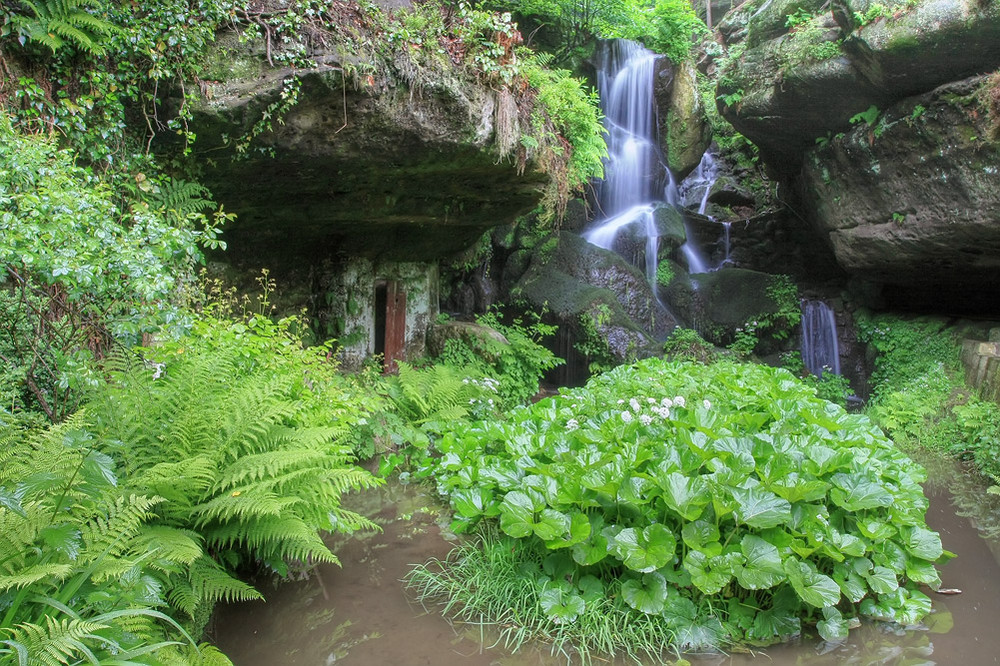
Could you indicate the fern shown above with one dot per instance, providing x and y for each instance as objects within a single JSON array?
[
  {"x": 242, "y": 449},
  {"x": 55, "y": 22},
  {"x": 178, "y": 199},
  {"x": 437, "y": 393},
  {"x": 74, "y": 581}
]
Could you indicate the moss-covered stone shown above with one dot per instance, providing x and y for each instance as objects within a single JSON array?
[
  {"x": 925, "y": 209},
  {"x": 684, "y": 127},
  {"x": 358, "y": 167},
  {"x": 578, "y": 279}
]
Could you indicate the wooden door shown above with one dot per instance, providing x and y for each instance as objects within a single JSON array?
[{"x": 395, "y": 326}]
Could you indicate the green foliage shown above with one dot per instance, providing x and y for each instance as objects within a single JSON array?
[
  {"x": 236, "y": 427},
  {"x": 665, "y": 26},
  {"x": 514, "y": 368},
  {"x": 438, "y": 395},
  {"x": 53, "y": 23},
  {"x": 689, "y": 486},
  {"x": 591, "y": 343},
  {"x": 575, "y": 116},
  {"x": 868, "y": 116},
  {"x": 919, "y": 396},
  {"x": 776, "y": 323},
  {"x": 506, "y": 583},
  {"x": 79, "y": 573},
  {"x": 684, "y": 344},
  {"x": 664, "y": 274},
  {"x": 80, "y": 271}
]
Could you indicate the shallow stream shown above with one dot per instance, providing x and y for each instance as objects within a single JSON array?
[{"x": 359, "y": 614}]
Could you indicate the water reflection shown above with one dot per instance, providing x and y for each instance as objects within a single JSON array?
[{"x": 359, "y": 614}]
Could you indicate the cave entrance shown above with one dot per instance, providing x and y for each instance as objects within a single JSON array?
[{"x": 390, "y": 323}]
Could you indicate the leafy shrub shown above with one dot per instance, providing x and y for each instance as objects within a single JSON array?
[
  {"x": 919, "y": 393},
  {"x": 684, "y": 344},
  {"x": 517, "y": 367},
  {"x": 77, "y": 272},
  {"x": 726, "y": 502},
  {"x": 236, "y": 427}
]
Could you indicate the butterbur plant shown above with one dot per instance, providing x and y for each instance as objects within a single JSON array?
[{"x": 721, "y": 503}]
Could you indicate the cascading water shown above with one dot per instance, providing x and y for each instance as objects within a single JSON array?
[
  {"x": 635, "y": 176},
  {"x": 696, "y": 188},
  {"x": 820, "y": 351}
]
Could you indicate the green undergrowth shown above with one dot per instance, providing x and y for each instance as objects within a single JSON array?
[
  {"x": 223, "y": 452},
  {"x": 720, "y": 503},
  {"x": 919, "y": 396}
]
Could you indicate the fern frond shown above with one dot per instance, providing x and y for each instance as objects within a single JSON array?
[
  {"x": 60, "y": 641},
  {"x": 268, "y": 465},
  {"x": 205, "y": 582},
  {"x": 108, "y": 533},
  {"x": 180, "y": 198},
  {"x": 349, "y": 521},
  {"x": 276, "y": 538},
  {"x": 242, "y": 506},
  {"x": 169, "y": 543},
  {"x": 33, "y": 574}
]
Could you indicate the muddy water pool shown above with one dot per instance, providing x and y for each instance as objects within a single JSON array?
[{"x": 359, "y": 614}]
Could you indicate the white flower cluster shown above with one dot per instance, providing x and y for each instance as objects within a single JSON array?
[
  {"x": 572, "y": 424},
  {"x": 661, "y": 408}
]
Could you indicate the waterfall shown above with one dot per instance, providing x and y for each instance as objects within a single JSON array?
[
  {"x": 820, "y": 352},
  {"x": 633, "y": 186},
  {"x": 696, "y": 189}
]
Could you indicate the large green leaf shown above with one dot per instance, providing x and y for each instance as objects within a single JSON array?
[
  {"x": 579, "y": 529},
  {"x": 882, "y": 580},
  {"x": 812, "y": 587},
  {"x": 855, "y": 492},
  {"x": 794, "y": 488},
  {"x": 687, "y": 495},
  {"x": 711, "y": 574},
  {"x": 591, "y": 550},
  {"x": 762, "y": 568},
  {"x": 517, "y": 514},
  {"x": 922, "y": 543},
  {"x": 646, "y": 550},
  {"x": 702, "y": 535},
  {"x": 851, "y": 584},
  {"x": 647, "y": 595},
  {"x": 560, "y": 606},
  {"x": 552, "y": 525},
  {"x": 833, "y": 626},
  {"x": 474, "y": 502},
  {"x": 761, "y": 508}
]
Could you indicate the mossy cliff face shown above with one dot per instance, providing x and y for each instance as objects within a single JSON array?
[
  {"x": 359, "y": 166},
  {"x": 791, "y": 85},
  {"x": 880, "y": 119},
  {"x": 914, "y": 198}
]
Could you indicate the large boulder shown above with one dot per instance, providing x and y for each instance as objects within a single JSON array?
[
  {"x": 399, "y": 167},
  {"x": 793, "y": 85},
  {"x": 683, "y": 127},
  {"x": 913, "y": 199},
  {"x": 595, "y": 292}
]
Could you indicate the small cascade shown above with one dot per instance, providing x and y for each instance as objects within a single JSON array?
[
  {"x": 820, "y": 350},
  {"x": 696, "y": 189},
  {"x": 633, "y": 185}
]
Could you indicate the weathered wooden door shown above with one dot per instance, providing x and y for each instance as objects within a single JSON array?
[{"x": 395, "y": 326}]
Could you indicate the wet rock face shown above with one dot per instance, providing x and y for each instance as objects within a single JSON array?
[
  {"x": 356, "y": 167},
  {"x": 682, "y": 126},
  {"x": 792, "y": 86},
  {"x": 579, "y": 283},
  {"x": 913, "y": 199}
]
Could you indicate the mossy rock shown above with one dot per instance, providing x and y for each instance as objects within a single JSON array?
[{"x": 719, "y": 302}]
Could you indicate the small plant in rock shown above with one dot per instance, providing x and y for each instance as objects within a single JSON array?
[{"x": 716, "y": 503}]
